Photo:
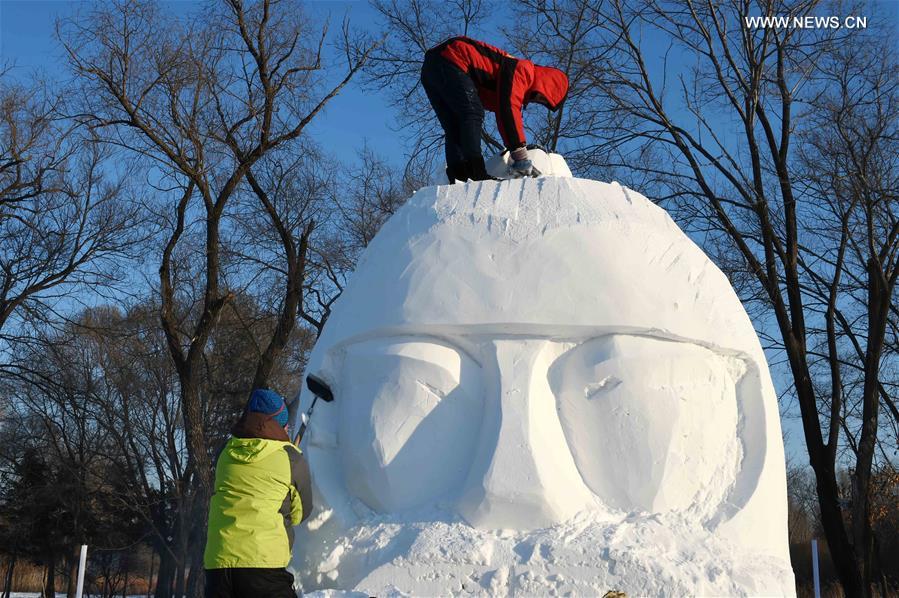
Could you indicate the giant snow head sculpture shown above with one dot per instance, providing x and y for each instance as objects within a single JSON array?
[{"x": 556, "y": 359}]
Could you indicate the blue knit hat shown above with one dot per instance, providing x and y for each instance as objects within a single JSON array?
[{"x": 263, "y": 400}]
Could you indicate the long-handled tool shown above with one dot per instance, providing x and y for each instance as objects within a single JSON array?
[{"x": 322, "y": 391}]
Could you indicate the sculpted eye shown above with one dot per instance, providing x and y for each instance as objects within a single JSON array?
[
  {"x": 407, "y": 405},
  {"x": 651, "y": 424}
]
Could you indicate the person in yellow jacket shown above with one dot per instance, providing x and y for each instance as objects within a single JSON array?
[{"x": 262, "y": 489}]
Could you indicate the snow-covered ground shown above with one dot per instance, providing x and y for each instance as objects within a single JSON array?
[{"x": 543, "y": 387}]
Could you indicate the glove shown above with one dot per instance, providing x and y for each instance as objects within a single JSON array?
[{"x": 523, "y": 168}]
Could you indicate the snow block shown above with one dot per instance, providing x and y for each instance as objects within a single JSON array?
[
  {"x": 499, "y": 165},
  {"x": 548, "y": 164},
  {"x": 542, "y": 386}
]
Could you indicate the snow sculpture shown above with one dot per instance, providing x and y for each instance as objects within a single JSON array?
[{"x": 543, "y": 385}]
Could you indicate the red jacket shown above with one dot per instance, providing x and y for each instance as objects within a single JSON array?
[{"x": 506, "y": 84}]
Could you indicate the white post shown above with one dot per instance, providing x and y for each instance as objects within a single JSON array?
[
  {"x": 81, "y": 564},
  {"x": 815, "y": 575}
]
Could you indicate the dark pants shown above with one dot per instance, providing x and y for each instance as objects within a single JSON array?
[
  {"x": 249, "y": 583},
  {"x": 455, "y": 99}
]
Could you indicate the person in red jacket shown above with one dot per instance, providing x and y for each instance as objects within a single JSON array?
[{"x": 461, "y": 77}]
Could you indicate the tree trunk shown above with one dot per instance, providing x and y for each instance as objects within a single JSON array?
[
  {"x": 50, "y": 581},
  {"x": 183, "y": 554},
  {"x": 878, "y": 309},
  {"x": 10, "y": 569},
  {"x": 199, "y": 462},
  {"x": 127, "y": 571},
  {"x": 196, "y": 577},
  {"x": 165, "y": 575},
  {"x": 824, "y": 467},
  {"x": 179, "y": 577},
  {"x": 150, "y": 576},
  {"x": 822, "y": 462},
  {"x": 841, "y": 550},
  {"x": 72, "y": 560}
]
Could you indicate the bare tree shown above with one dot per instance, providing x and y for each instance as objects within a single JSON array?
[
  {"x": 824, "y": 271},
  {"x": 369, "y": 192},
  {"x": 202, "y": 103},
  {"x": 99, "y": 410},
  {"x": 850, "y": 169},
  {"x": 66, "y": 479},
  {"x": 373, "y": 192},
  {"x": 564, "y": 35},
  {"x": 67, "y": 228},
  {"x": 64, "y": 219},
  {"x": 139, "y": 408},
  {"x": 291, "y": 191},
  {"x": 410, "y": 28}
]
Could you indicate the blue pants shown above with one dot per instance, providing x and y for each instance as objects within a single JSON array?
[{"x": 455, "y": 99}]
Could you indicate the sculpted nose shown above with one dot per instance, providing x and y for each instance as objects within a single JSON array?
[{"x": 523, "y": 476}]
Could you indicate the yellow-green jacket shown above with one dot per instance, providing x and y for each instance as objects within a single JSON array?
[{"x": 262, "y": 489}]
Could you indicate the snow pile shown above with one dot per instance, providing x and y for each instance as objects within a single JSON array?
[
  {"x": 542, "y": 386},
  {"x": 644, "y": 555}
]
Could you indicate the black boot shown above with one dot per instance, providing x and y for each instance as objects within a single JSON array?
[
  {"x": 457, "y": 172},
  {"x": 478, "y": 171}
]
